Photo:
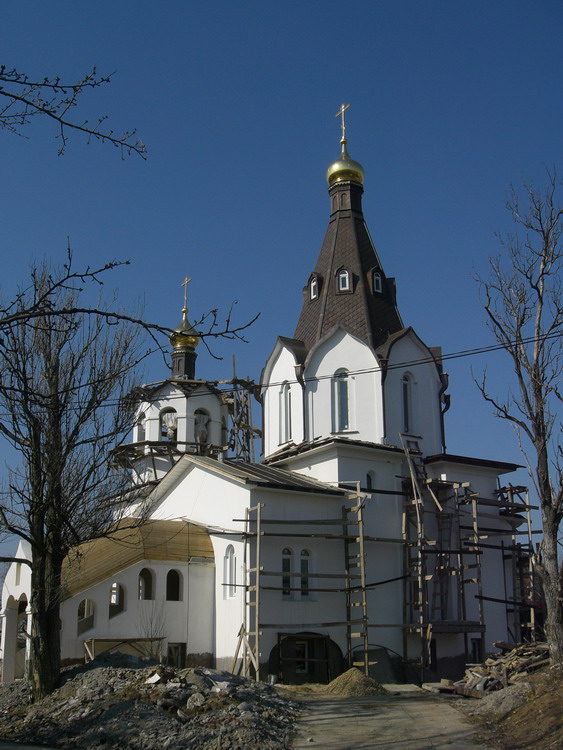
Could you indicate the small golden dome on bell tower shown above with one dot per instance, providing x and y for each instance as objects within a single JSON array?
[
  {"x": 344, "y": 169},
  {"x": 185, "y": 334},
  {"x": 184, "y": 340}
]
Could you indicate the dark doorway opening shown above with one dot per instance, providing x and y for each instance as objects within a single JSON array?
[{"x": 298, "y": 658}]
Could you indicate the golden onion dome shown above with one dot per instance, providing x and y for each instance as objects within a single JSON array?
[
  {"x": 185, "y": 334},
  {"x": 345, "y": 168}
]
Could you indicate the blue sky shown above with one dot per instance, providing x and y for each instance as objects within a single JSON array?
[{"x": 451, "y": 103}]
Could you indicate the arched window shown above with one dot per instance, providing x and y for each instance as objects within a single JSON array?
[
  {"x": 377, "y": 282},
  {"x": 146, "y": 584},
  {"x": 173, "y": 588},
  {"x": 343, "y": 280},
  {"x": 201, "y": 420},
  {"x": 340, "y": 401},
  {"x": 22, "y": 625},
  {"x": 116, "y": 599},
  {"x": 229, "y": 573},
  {"x": 370, "y": 480},
  {"x": 286, "y": 571},
  {"x": 406, "y": 393},
  {"x": 285, "y": 413},
  {"x": 314, "y": 288},
  {"x": 141, "y": 430},
  {"x": 168, "y": 424},
  {"x": 85, "y": 616},
  {"x": 305, "y": 557}
]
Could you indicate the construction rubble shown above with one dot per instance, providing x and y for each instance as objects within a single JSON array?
[
  {"x": 102, "y": 706},
  {"x": 501, "y": 670}
]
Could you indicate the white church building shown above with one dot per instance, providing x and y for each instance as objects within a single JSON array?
[{"x": 357, "y": 540}]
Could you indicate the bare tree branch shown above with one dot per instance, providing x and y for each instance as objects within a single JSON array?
[
  {"x": 32, "y": 304},
  {"x": 26, "y": 99}
]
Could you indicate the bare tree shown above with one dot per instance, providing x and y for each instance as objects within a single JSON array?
[
  {"x": 33, "y": 302},
  {"x": 524, "y": 303},
  {"x": 152, "y": 630},
  {"x": 63, "y": 377},
  {"x": 24, "y": 99}
]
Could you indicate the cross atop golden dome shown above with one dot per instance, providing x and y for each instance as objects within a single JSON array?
[
  {"x": 185, "y": 334},
  {"x": 344, "y": 169}
]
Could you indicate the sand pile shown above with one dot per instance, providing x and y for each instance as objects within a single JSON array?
[{"x": 354, "y": 682}]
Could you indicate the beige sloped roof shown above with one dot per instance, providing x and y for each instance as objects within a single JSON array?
[{"x": 173, "y": 541}]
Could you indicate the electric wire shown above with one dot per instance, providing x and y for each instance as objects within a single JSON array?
[{"x": 431, "y": 359}]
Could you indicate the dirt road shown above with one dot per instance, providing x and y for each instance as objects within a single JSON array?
[{"x": 412, "y": 720}]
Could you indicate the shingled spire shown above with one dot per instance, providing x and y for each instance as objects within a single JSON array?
[{"x": 348, "y": 286}]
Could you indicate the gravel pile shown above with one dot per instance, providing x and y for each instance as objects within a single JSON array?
[
  {"x": 501, "y": 702},
  {"x": 354, "y": 682},
  {"x": 154, "y": 708}
]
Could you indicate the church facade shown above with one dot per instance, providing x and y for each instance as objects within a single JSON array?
[{"x": 357, "y": 540}]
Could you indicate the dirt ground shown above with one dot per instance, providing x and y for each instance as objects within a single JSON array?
[
  {"x": 536, "y": 724},
  {"x": 357, "y": 713},
  {"x": 354, "y": 716},
  {"x": 411, "y": 720}
]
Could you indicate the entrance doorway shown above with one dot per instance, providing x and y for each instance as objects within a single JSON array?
[{"x": 298, "y": 658}]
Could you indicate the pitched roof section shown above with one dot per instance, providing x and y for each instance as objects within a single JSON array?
[
  {"x": 265, "y": 476},
  {"x": 364, "y": 311},
  {"x": 96, "y": 560}
]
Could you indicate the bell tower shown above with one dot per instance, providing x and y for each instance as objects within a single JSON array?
[
  {"x": 343, "y": 378},
  {"x": 178, "y": 415}
]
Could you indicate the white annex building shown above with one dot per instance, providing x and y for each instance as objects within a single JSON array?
[{"x": 357, "y": 540}]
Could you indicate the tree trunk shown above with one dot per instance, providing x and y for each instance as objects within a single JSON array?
[
  {"x": 550, "y": 577},
  {"x": 45, "y": 625}
]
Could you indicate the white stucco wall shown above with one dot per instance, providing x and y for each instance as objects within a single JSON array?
[
  {"x": 16, "y": 592},
  {"x": 189, "y": 620},
  {"x": 205, "y": 497},
  {"x": 341, "y": 351},
  {"x": 425, "y": 399},
  {"x": 229, "y": 601},
  {"x": 280, "y": 370}
]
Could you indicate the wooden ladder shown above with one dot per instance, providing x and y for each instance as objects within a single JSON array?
[{"x": 356, "y": 598}]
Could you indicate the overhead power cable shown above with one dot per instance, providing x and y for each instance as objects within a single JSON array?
[{"x": 368, "y": 370}]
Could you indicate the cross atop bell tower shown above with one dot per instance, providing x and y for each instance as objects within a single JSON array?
[{"x": 184, "y": 340}]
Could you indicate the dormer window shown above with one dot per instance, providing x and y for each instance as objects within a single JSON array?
[
  {"x": 314, "y": 288},
  {"x": 377, "y": 283},
  {"x": 343, "y": 280}
]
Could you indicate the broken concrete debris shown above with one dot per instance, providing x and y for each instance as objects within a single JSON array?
[{"x": 152, "y": 708}]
